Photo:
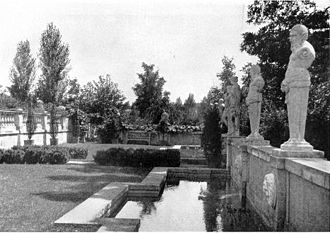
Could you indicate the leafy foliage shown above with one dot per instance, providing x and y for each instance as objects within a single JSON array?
[
  {"x": 190, "y": 111},
  {"x": 102, "y": 99},
  {"x": 22, "y": 73},
  {"x": 150, "y": 97},
  {"x": 228, "y": 71},
  {"x": 138, "y": 157},
  {"x": 54, "y": 58},
  {"x": 211, "y": 136}
]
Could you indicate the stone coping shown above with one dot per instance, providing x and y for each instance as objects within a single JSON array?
[
  {"x": 15, "y": 133},
  {"x": 315, "y": 170},
  {"x": 119, "y": 224}
]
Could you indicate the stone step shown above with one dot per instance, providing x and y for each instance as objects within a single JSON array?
[
  {"x": 197, "y": 161},
  {"x": 104, "y": 202},
  {"x": 119, "y": 224}
]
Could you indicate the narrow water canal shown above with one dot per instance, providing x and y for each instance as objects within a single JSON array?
[{"x": 193, "y": 206}]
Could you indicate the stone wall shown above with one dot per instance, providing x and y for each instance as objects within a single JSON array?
[
  {"x": 154, "y": 138},
  {"x": 13, "y": 128},
  {"x": 288, "y": 193}
]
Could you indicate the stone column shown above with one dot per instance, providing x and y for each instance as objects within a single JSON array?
[
  {"x": 19, "y": 125},
  {"x": 278, "y": 167},
  {"x": 44, "y": 119}
]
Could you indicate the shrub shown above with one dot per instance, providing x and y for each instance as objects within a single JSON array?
[
  {"x": 77, "y": 153},
  {"x": 13, "y": 156},
  {"x": 211, "y": 136},
  {"x": 1, "y": 155},
  {"x": 40, "y": 154},
  {"x": 57, "y": 155},
  {"x": 32, "y": 156},
  {"x": 138, "y": 157}
]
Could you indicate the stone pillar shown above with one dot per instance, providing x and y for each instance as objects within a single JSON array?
[
  {"x": 19, "y": 125},
  {"x": 278, "y": 169},
  {"x": 245, "y": 173},
  {"x": 44, "y": 119}
]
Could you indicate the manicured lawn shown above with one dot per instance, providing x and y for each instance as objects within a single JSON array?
[
  {"x": 93, "y": 147},
  {"x": 32, "y": 197}
]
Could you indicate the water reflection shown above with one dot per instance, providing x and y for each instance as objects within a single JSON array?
[{"x": 193, "y": 206}]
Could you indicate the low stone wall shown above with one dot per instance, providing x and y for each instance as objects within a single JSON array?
[
  {"x": 154, "y": 138},
  {"x": 289, "y": 193},
  {"x": 13, "y": 129}
]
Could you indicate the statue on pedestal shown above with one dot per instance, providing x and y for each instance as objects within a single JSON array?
[
  {"x": 230, "y": 116},
  {"x": 253, "y": 101},
  {"x": 296, "y": 87}
]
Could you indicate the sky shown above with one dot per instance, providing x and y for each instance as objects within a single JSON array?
[{"x": 185, "y": 39}]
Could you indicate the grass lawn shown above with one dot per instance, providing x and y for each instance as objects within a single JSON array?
[
  {"x": 93, "y": 147},
  {"x": 32, "y": 197}
]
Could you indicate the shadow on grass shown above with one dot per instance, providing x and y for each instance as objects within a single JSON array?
[
  {"x": 78, "y": 187},
  {"x": 94, "y": 168},
  {"x": 75, "y": 197}
]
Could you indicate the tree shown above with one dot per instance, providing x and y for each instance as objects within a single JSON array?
[
  {"x": 190, "y": 110},
  {"x": 270, "y": 43},
  {"x": 149, "y": 93},
  {"x": 213, "y": 98},
  {"x": 54, "y": 58},
  {"x": 228, "y": 71},
  {"x": 176, "y": 111},
  {"x": 104, "y": 105},
  {"x": 99, "y": 99},
  {"x": 22, "y": 73}
]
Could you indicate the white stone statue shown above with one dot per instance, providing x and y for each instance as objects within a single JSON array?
[
  {"x": 296, "y": 87},
  {"x": 253, "y": 101},
  {"x": 234, "y": 107},
  {"x": 230, "y": 115}
]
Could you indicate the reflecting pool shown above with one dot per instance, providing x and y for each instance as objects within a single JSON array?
[{"x": 212, "y": 205}]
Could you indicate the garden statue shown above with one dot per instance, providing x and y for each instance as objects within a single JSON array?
[
  {"x": 234, "y": 107},
  {"x": 163, "y": 126},
  {"x": 296, "y": 87},
  {"x": 230, "y": 116},
  {"x": 253, "y": 101}
]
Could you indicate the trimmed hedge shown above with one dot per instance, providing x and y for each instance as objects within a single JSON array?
[
  {"x": 41, "y": 154},
  {"x": 138, "y": 157}
]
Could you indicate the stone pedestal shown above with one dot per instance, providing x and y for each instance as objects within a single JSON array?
[
  {"x": 298, "y": 154},
  {"x": 252, "y": 141},
  {"x": 53, "y": 142},
  {"x": 301, "y": 146},
  {"x": 28, "y": 142}
]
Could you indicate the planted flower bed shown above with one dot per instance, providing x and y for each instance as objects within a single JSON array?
[{"x": 138, "y": 157}]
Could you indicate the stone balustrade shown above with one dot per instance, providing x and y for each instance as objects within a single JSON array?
[
  {"x": 13, "y": 128},
  {"x": 289, "y": 190},
  {"x": 154, "y": 138}
]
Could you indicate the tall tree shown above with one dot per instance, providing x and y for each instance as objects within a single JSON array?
[
  {"x": 228, "y": 71},
  {"x": 149, "y": 93},
  {"x": 270, "y": 43},
  {"x": 22, "y": 73},
  {"x": 190, "y": 109},
  {"x": 54, "y": 59}
]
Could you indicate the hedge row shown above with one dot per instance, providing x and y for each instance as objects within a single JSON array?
[
  {"x": 138, "y": 157},
  {"x": 41, "y": 154}
]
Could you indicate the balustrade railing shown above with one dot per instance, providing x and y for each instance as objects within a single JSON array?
[{"x": 8, "y": 120}]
